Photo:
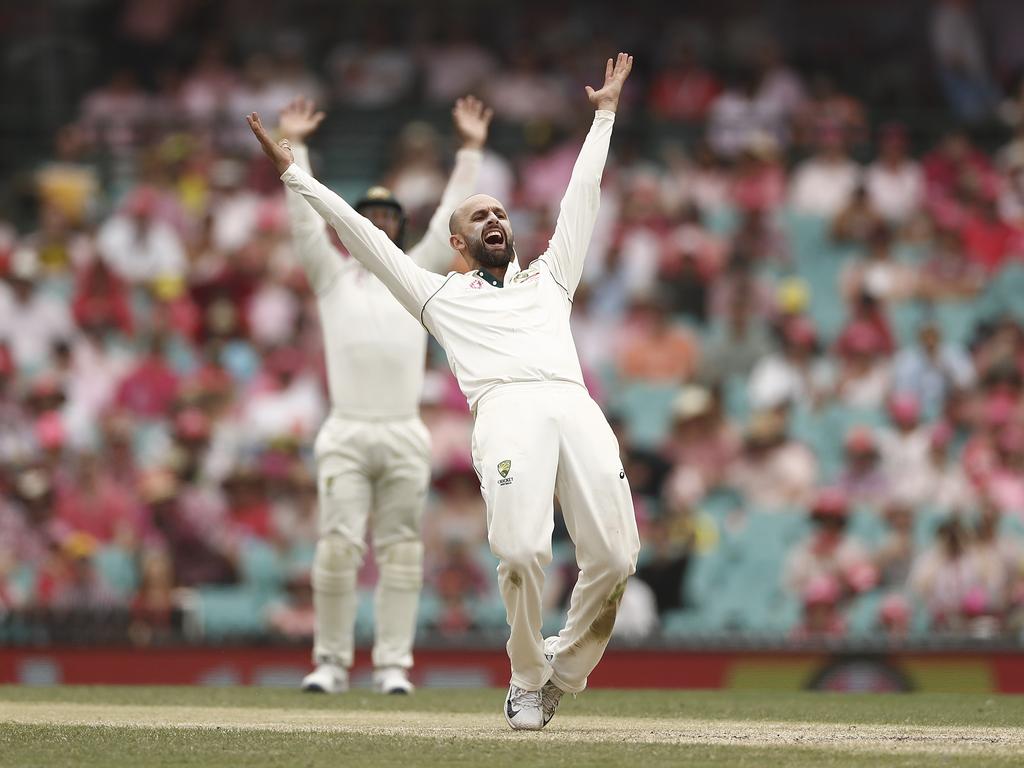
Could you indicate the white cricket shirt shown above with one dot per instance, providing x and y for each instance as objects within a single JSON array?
[
  {"x": 375, "y": 351},
  {"x": 493, "y": 334}
]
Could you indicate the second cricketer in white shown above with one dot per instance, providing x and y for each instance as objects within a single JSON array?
[
  {"x": 373, "y": 452},
  {"x": 536, "y": 430}
]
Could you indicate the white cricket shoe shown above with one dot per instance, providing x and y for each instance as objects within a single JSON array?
[
  {"x": 326, "y": 678},
  {"x": 550, "y": 696},
  {"x": 550, "y": 645},
  {"x": 392, "y": 680},
  {"x": 523, "y": 709}
]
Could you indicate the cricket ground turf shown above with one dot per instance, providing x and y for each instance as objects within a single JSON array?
[{"x": 142, "y": 727}]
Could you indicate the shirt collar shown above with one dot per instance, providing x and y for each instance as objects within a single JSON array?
[{"x": 484, "y": 275}]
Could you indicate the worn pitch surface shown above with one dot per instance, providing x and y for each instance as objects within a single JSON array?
[{"x": 207, "y": 727}]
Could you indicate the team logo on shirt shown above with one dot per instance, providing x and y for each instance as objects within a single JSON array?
[
  {"x": 477, "y": 284},
  {"x": 504, "y": 467}
]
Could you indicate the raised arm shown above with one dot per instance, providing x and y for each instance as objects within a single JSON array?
[
  {"x": 411, "y": 285},
  {"x": 578, "y": 212},
  {"x": 319, "y": 258},
  {"x": 471, "y": 120}
]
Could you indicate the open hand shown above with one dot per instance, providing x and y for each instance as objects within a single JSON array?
[
  {"x": 299, "y": 119},
  {"x": 615, "y": 74},
  {"x": 472, "y": 120},
  {"x": 280, "y": 153}
]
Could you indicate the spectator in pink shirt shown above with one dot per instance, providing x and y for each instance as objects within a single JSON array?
[
  {"x": 683, "y": 89},
  {"x": 93, "y": 503},
  {"x": 150, "y": 389},
  {"x": 864, "y": 478},
  {"x": 830, "y": 552}
]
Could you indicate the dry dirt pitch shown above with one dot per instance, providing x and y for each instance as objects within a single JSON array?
[{"x": 265, "y": 727}]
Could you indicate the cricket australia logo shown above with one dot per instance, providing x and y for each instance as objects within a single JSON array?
[{"x": 504, "y": 467}]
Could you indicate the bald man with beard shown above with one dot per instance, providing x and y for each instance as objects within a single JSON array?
[{"x": 537, "y": 433}]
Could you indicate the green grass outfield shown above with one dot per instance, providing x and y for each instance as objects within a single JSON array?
[{"x": 94, "y": 726}]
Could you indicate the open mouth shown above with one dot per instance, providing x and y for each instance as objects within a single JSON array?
[{"x": 494, "y": 236}]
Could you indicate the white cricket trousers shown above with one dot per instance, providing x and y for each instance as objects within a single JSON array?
[
  {"x": 376, "y": 471},
  {"x": 533, "y": 441}
]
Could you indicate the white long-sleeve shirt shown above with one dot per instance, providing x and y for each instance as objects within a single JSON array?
[
  {"x": 493, "y": 333},
  {"x": 375, "y": 351}
]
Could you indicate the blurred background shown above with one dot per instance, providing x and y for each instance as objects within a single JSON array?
[{"x": 803, "y": 309}]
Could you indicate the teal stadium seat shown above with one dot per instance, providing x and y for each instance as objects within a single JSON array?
[
  {"x": 647, "y": 410},
  {"x": 231, "y": 611},
  {"x": 117, "y": 570}
]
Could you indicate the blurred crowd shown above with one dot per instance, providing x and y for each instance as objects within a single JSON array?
[{"x": 791, "y": 311}]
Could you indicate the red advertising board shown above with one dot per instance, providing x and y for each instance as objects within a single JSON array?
[{"x": 964, "y": 671}]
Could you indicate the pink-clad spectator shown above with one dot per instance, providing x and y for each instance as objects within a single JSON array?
[
  {"x": 865, "y": 479},
  {"x": 905, "y": 443},
  {"x": 94, "y": 504},
  {"x": 101, "y": 301},
  {"x": 683, "y": 89},
  {"x": 702, "y": 440},
  {"x": 821, "y": 615},
  {"x": 150, "y": 388},
  {"x": 829, "y": 551},
  {"x": 287, "y": 401},
  {"x": 759, "y": 180},
  {"x": 864, "y": 375},
  {"x": 188, "y": 522},
  {"x": 773, "y": 471},
  {"x": 988, "y": 240},
  {"x": 458, "y": 580},
  {"x": 948, "y": 579},
  {"x": 894, "y": 615},
  {"x": 1004, "y": 485},
  {"x": 292, "y": 616},
  {"x": 945, "y": 275},
  {"x": 954, "y": 166},
  {"x": 999, "y": 556},
  {"x": 895, "y": 181},
  {"x": 981, "y": 453},
  {"x": 71, "y": 580},
  {"x": 248, "y": 507}
]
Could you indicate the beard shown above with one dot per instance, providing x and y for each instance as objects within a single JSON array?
[{"x": 492, "y": 258}]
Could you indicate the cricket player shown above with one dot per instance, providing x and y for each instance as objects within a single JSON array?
[
  {"x": 373, "y": 452},
  {"x": 537, "y": 433}
]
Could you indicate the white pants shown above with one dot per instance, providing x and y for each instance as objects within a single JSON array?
[
  {"x": 530, "y": 443},
  {"x": 377, "y": 472}
]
